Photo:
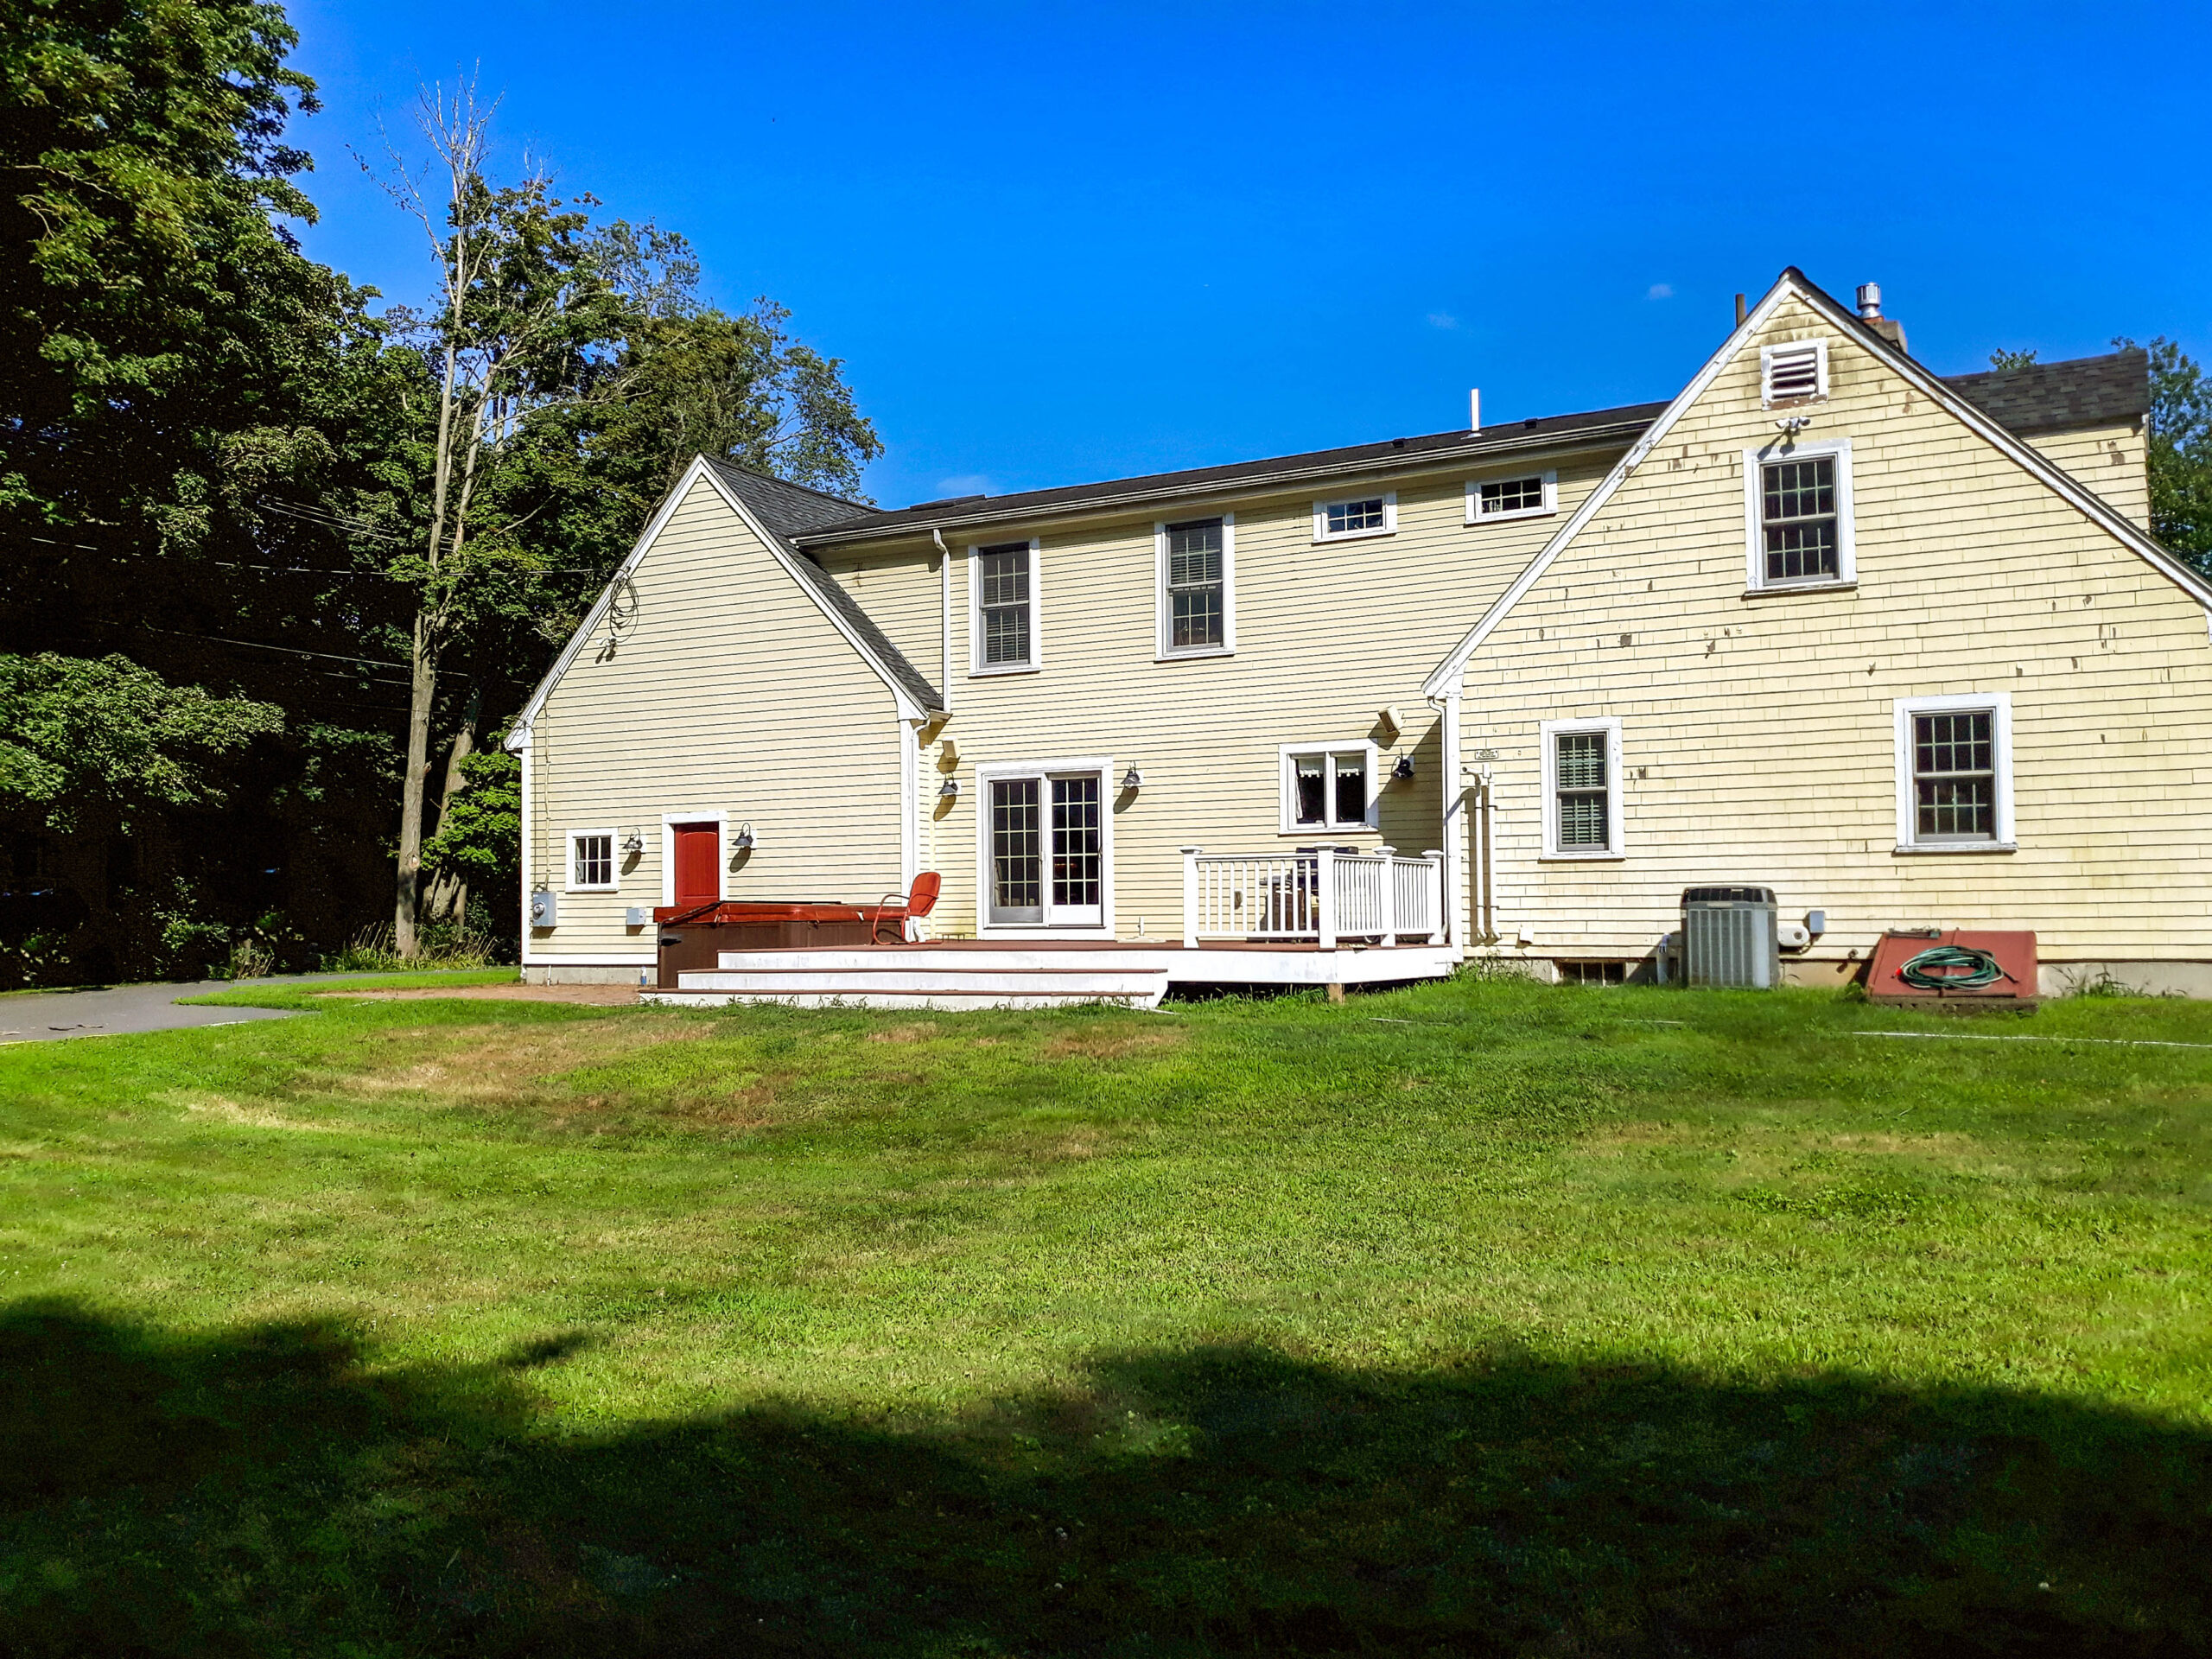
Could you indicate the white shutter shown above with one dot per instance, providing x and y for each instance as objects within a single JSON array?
[{"x": 1790, "y": 374}]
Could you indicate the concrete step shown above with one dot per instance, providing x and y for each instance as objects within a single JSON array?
[
  {"x": 892, "y": 956},
  {"x": 820, "y": 996},
  {"x": 960, "y": 982}
]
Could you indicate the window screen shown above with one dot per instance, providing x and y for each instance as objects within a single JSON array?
[
  {"x": 1584, "y": 804},
  {"x": 1196, "y": 611},
  {"x": 1002, "y": 576},
  {"x": 1510, "y": 495},
  {"x": 1954, "y": 776},
  {"x": 594, "y": 863},
  {"x": 1797, "y": 519}
]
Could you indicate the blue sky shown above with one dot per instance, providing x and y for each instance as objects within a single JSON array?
[{"x": 1062, "y": 243}]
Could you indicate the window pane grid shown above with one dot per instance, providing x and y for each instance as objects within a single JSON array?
[
  {"x": 1003, "y": 596},
  {"x": 1580, "y": 785},
  {"x": 595, "y": 860},
  {"x": 1197, "y": 594},
  {"x": 1347, "y": 517},
  {"x": 1510, "y": 495},
  {"x": 1798, "y": 519},
  {"x": 1076, "y": 856},
  {"x": 1954, "y": 776},
  {"x": 1015, "y": 873}
]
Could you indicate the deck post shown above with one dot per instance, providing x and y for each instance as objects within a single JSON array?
[
  {"x": 1326, "y": 878},
  {"x": 1390, "y": 895},
  {"x": 1439, "y": 926},
  {"x": 1191, "y": 897}
]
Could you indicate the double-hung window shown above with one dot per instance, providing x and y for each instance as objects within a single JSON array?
[
  {"x": 591, "y": 860},
  {"x": 1004, "y": 623},
  {"x": 1797, "y": 515},
  {"x": 1328, "y": 787},
  {"x": 1198, "y": 586},
  {"x": 1356, "y": 516},
  {"x": 1530, "y": 495},
  {"x": 1954, "y": 773},
  {"x": 1582, "y": 788}
]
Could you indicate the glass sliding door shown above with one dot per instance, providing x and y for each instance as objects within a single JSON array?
[{"x": 1047, "y": 854}]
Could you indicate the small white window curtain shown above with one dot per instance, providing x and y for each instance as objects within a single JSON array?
[
  {"x": 1528, "y": 495},
  {"x": 1328, "y": 786},
  {"x": 1356, "y": 516},
  {"x": 1003, "y": 621},
  {"x": 1197, "y": 582},
  {"x": 591, "y": 860},
  {"x": 1797, "y": 515},
  {"x": 1582, "y": 788},
  {"x": 1795, "y": 373},
  {"x": 1954, "y": 773}
]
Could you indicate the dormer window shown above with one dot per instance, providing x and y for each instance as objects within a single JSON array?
[
  {"x": 1795, "y": 373},
  {"x": 1362, "y": 515}
]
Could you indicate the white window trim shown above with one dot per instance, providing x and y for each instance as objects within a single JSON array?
[
  {"x": 1766, "y": 372},
  {"x": 1616, "y": 846},
  {"x": 976, "y": 666},
  {"x": 1476, "y": 516},
  {"x": 1287, "y": 790},
  {"x": 1847, "y": 548},
  {"x": 668, "y": 823},
  {"x": 987, "y": 929},
  {"x": 1322, "y": 533},
  {"x": 1163, "y": 619},
  {"x": 613, "y": 862},
  {"x": 2001, "y": 704}
]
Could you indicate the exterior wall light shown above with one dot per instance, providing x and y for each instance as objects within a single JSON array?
[
  {"x": 1133, "y": 779},
  {"x": 634, "y": 842},
  {"x": 743, "y": 840},
  {"x": 1404, "y": 769},
  {"x": 949, "y": 790}
]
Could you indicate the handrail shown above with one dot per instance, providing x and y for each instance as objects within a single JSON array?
[{"x": 1318, "y": 893}]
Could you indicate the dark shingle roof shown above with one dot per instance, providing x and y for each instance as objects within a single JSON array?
[
  {"x": 2043, "y": 397},
  {"x": 783, "y": 508}
]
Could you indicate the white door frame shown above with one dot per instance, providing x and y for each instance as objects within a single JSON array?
[{"x": 1044, "y": 771}]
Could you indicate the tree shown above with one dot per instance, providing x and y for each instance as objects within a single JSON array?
[{"x": 2180, "y": 434}]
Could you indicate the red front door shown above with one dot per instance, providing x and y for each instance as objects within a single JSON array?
[{"x": 698, "y": 862}]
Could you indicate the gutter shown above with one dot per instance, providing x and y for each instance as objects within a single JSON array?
[{"x": 1593, "y": 437}]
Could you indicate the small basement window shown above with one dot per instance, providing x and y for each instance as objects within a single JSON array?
[
  {"x": 1365, "y": 515},
  {"x": 1592, "y": 973},
  {"x": 1529, "y": 496},
  {"x": 1795, "y": 373},
  {"x": 1331, "y": 788},
  {"x": 591, "y": 860}
]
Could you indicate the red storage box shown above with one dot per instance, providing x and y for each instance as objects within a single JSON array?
[{"x": 2015, "y": 955}]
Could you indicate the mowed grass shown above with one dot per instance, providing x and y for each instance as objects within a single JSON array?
[{"x": 1477, "y": 1317}]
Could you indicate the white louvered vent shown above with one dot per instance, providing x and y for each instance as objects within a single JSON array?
[{"x": 1795, "y": 373}]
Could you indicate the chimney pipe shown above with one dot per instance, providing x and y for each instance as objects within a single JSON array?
[
  {"x": 1869, "y": 313},
  {"x": 1475, "y": 410},
  {"x": 1739, "y": 310}
]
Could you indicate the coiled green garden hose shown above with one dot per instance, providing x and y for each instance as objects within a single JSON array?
[{"x": 1951, "y": 968}]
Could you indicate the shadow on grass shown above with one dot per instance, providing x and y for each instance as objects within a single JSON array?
[{"x": 266, "y": 1492}]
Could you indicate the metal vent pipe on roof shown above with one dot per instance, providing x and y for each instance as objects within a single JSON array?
[
  {"x": 1475, "y": 410},
  {"x": 1870, "y": 301}
]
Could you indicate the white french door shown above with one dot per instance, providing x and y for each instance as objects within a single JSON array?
[{"x": 1046, "y": 851}]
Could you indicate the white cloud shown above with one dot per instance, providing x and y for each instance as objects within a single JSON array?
[
  {"x": 1660, "y": 291},
  {"x": 1442, "y": 320}
]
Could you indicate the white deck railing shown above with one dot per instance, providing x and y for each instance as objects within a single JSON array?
[{"x": 1324, "y": 895}]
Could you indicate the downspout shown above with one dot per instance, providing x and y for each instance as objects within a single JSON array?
[
  {"x": 944, "y": 569},
  {"x": 1457, "y": 921}
]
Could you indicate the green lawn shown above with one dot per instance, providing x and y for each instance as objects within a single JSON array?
[{"x": 1480, "y": 1317}]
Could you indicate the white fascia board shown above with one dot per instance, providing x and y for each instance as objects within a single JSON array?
[
  {"x": 1446, "y": 678},
  {"x": 519, "y": 734},
  {"x": 2084, "y": 499}
]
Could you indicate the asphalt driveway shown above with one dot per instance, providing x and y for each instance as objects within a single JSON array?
[{"x": 120, "y": 1009}]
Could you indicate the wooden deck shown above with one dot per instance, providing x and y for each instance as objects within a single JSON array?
[{"x": 949, "y": 973}]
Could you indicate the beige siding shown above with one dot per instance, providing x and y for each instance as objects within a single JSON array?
[
  {"x": 734, "y": 694},
  {"x": 1327, "y": 635},
  {"x": 1757, "y": 732},
  {"x": 2111, "y": 459},
  {"x": 903, "y": 594}
]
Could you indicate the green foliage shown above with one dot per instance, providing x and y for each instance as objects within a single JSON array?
[
  {"x": 106, "y": 740},
  {"x": 2002, "y": 359},
  {"x": 2181, "y": 452},
  {"x": 481, "y": 839},
  {"x": 1482, "y": 1316}
]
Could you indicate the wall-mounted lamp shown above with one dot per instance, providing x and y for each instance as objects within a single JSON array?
[
  {"x": 743, "y": 840},
  {"x": 949, "y": 790},
  {"x": 1404, "y": 769},
  {"x": 634, "y": 842},
  {"x": 1133, "y": 779}
]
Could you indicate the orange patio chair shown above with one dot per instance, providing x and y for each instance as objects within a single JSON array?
[{"x": 915, "y": 906}]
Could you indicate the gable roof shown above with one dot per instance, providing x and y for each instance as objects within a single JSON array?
[
  {"x": 2045, "y": 397},
  {"x": 1793, "y": 281},
  {"x": 758, "y": 506}
]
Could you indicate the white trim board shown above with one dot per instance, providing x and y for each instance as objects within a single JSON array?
[{"x": 1448, "y": 675}]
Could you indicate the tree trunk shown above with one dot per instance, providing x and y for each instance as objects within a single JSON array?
[
  {"x": 423, "y": 674},
  {"x": 449, "y": 888}
]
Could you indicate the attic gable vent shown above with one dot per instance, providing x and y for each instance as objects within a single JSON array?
[{"x": 1795, "y": 373}]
